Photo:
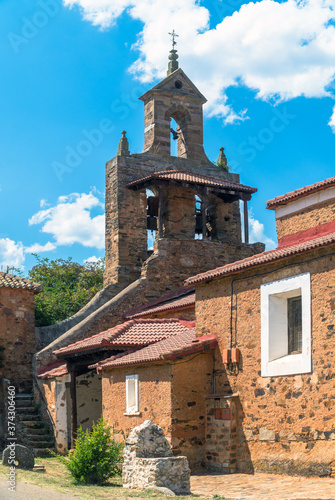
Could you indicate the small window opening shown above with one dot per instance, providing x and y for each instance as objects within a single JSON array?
[
  {"x": 294, "y": 323},
  {"x": 178, "y": 84},
  {"x": 198, "y": 219},
  {"x": 132, "y": 399},
  {"x": 173, "y": 138},
  {"x": 152, "y": 217}
]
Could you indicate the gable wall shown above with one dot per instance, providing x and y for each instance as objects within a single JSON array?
[
  {"x": 280, "y": 418},
  {"x": 306, "y": 218}
]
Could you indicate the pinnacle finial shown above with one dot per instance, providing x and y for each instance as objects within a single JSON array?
[
  {"x": 123, "y": 149},
  {"x": 222, "y": 160},
  {"x": 173, "y": 56}
]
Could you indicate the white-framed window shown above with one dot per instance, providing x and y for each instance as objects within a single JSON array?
[
  {"x": 286, "y": 326},
  {"x": 132, "y": 399}
]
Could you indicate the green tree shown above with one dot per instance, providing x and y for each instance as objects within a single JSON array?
[
  {"x": 67, "y": 287},
  {"x": 96, "y": 457}
]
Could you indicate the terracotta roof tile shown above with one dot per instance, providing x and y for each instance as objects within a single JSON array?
[
  {"x": 193, "y": 178},
  {"x": 171, "y": 348},
  {"x": 262, "y": 258},
  {"x": 56, "y": 369},
  {"x": 132, "y": 334},
  {"x": 180, "y": 299},
  {"x": 293, "y": 195},
  {"x": 12, "y": 281}
]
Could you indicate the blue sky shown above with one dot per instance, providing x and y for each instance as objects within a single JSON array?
[{"x": 72, "y": 70}]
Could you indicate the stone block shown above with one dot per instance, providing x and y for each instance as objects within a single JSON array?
[
  {"x": 21, "y": 454},
  {"x": 266, "y": 434},
  {"x": 149, "y": 462}
]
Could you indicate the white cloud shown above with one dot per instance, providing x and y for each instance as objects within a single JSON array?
[
  {"x": 70, "y": 220},
  {"x": 281, "y": 50},
  {"x": 91, "y": 260},
  {"x": 256, "y": 233},
  {"x": 37, "y": 248},
  {"x": 332, "y": 120},
  {"x": 44, "y": 203},
  {"x": 11, "y": 253}
]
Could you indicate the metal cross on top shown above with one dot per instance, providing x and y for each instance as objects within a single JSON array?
[{"x": 173, "y": 34}]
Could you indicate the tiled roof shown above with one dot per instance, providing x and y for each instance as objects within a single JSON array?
[
  {"x": 262, "y": 258},
  {"x": 191, "y": 177},
  {"x": 180, "y": 299},
  {"x": 172, "y": 348},
  {"x": 12, "y": 281},
  {"x": 56, "y": 369},
  {"x": 132, "y": 334},
  {"x": 285, "y": 198}
]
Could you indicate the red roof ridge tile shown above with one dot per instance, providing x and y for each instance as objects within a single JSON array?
[
  {"x": 193, "y": 174},
  {"x": 111, "y": 336},
  {"x": 304, "y": 191},
  {"x": 164, "y": 299}
]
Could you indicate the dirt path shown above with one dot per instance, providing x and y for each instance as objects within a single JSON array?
[{"x": 25, "y": 491}]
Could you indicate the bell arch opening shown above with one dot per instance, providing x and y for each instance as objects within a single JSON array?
[
  {"x": 179, "y": 119},
  {"x": 152, "y": 217}
]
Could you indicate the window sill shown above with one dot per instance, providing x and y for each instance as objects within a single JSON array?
[
  {"x": 131, "y": 414},
  {"x": 292, "y": 364}
]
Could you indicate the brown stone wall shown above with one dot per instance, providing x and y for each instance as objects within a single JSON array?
[
  {"x": 282, "y": 418},
  {"x": 306, "y": 219},
  {"x": 171, "y": 395},
  {"x": 179, "y": 213},
  {"x": 191, "y": 382},
  {"x": 154, "y": 398},
  {"x": 221, "y": 434},
  {"x": 17, "y": 336},
  {"x": 48, "y": 389}
]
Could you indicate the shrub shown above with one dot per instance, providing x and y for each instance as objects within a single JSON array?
[{"x": 96, "y": 457}]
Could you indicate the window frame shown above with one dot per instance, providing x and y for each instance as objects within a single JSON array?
[
  {"x": 132, "y": 409},
  {"x": 275, "y": 357}
]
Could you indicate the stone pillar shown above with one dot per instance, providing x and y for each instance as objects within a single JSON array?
[{"x": 221, "y": 434}]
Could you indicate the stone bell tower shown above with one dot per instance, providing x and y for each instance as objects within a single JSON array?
[{"x": 191, "y": 204}]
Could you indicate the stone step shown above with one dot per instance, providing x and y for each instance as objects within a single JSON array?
[
  {"x": 33, "y": 422},
  {"x": 40, "y": 437},
  {"x": 29, "y": 416},
  {"x": 41, "y": 444},
  {"x": 24, "y": 402},
  {"x": 36, "y": 431},
  {"x": 26, "y": 409}
]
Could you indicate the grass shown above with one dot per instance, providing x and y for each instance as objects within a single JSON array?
[{"x": 59, "y": 479}]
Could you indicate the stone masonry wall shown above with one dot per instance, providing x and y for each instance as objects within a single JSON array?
[
  {"x": 221, "y": 434},
  {"x": 154, "y": 398},
  {"x": 126, "y": 230},
  {"x": 306, "y": 219},
  {"x": 285, "y": 423},
  {"x": 191, "y": 382},
  {"x": 171, "y": 395},
  {"x": 17, "y": 336}
]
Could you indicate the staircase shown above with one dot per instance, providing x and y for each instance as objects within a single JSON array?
[{"x": 31, "y": 430}]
